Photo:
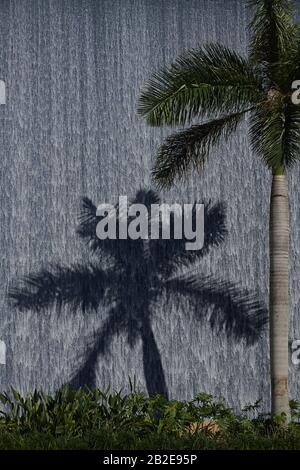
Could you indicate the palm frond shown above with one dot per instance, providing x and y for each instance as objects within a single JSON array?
[
  {"x": 189, "y": 148},
  {"x": 79, "y": 286},
  {"x": 274, "y": 38},
  {"x": 202, "y": 82},
  {"x": 294, "y": 65},
  {"x": 275, "y": 134},
  {"x": 167, "y": 256},
  {"x": 237, "y": 311},
  {"x": 88, "y": 221},
  {"x": 147, "y": 197},
  {"x": 291, "y": 137},
  {"x": 120, "y": 250}
]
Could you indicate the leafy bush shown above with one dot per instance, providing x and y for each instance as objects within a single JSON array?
[{"x": 100, "y": 419}]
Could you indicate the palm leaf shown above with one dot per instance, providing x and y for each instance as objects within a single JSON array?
[
  {"x": 236, "y": 311},
  {"x": 79, "y": 286},
  {"x": 188, "y": 149},
  {"x": 274, "y": 38},
  {"x": 294, "y": 66},
  {"x": 166, "y": 256},
  {"x": 275, "y": 133},
  {"x": 121, "y": 251},
  {"x": 205, "y": 81}
]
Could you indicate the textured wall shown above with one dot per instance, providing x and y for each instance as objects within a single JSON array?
[{"x": 73, "y": 70}]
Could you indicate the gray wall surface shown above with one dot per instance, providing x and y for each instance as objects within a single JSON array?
[{"x": 73, "y": 71}]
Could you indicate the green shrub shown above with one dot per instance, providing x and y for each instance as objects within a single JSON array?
[{"x": 100, "y": 419}]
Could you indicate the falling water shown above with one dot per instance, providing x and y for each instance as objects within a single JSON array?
[{"x": 73, "y": 71}]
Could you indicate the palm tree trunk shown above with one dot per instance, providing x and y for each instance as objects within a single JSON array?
[
  {"x": 86, "y": 375},
  {"x": 279, "y": 234},
  {"x": 153, "y": 368}
]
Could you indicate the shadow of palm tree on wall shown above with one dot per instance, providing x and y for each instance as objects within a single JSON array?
[{"x": 130, "y": 277}]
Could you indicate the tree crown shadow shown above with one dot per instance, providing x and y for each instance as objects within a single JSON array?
[{"x": 130, "y": 277}]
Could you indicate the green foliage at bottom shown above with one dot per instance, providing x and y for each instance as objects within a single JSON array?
[{"x": 93, "y": 419}]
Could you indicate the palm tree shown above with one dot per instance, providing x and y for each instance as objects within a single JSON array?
[
  {"x": 220, "y": 87},
  {"x": 130, "y": 277}
]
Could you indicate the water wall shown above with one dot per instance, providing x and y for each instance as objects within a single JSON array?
[{"x": 73, "y": 71}]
